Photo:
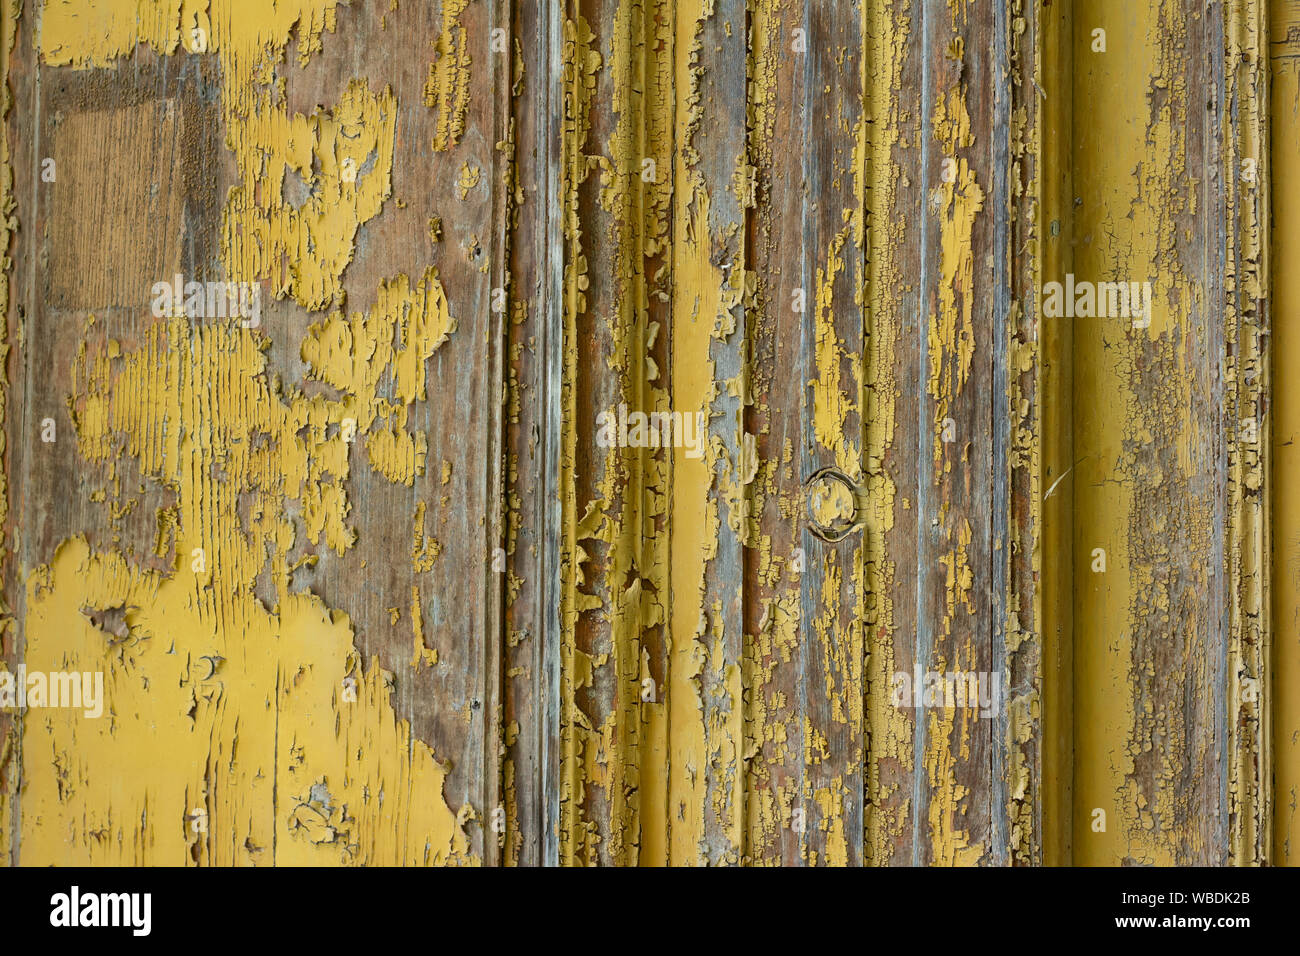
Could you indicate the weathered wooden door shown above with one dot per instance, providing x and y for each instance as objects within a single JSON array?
[{"x": 640, "y": 432}]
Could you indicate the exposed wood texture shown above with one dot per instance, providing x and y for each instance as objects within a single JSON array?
[{"x": 658, "y": 432}]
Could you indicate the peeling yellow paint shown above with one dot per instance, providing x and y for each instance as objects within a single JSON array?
[
  {"x": 290, "y": 748},
  {"x": 723, "y": 667},
  {"x": 447, "y": 88}
]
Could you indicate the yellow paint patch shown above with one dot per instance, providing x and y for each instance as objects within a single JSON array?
[{"x": 279, "y": 743}]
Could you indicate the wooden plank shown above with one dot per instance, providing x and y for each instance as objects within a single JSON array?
[
  {"x": 403, "y": 771},
  {"x": 830, "y": 689},
  {"x": 777, "y": 557},
  {"x": 1153, "y": 428}
]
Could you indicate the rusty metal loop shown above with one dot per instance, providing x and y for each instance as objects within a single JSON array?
[{"x": 837, "y": 532}]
